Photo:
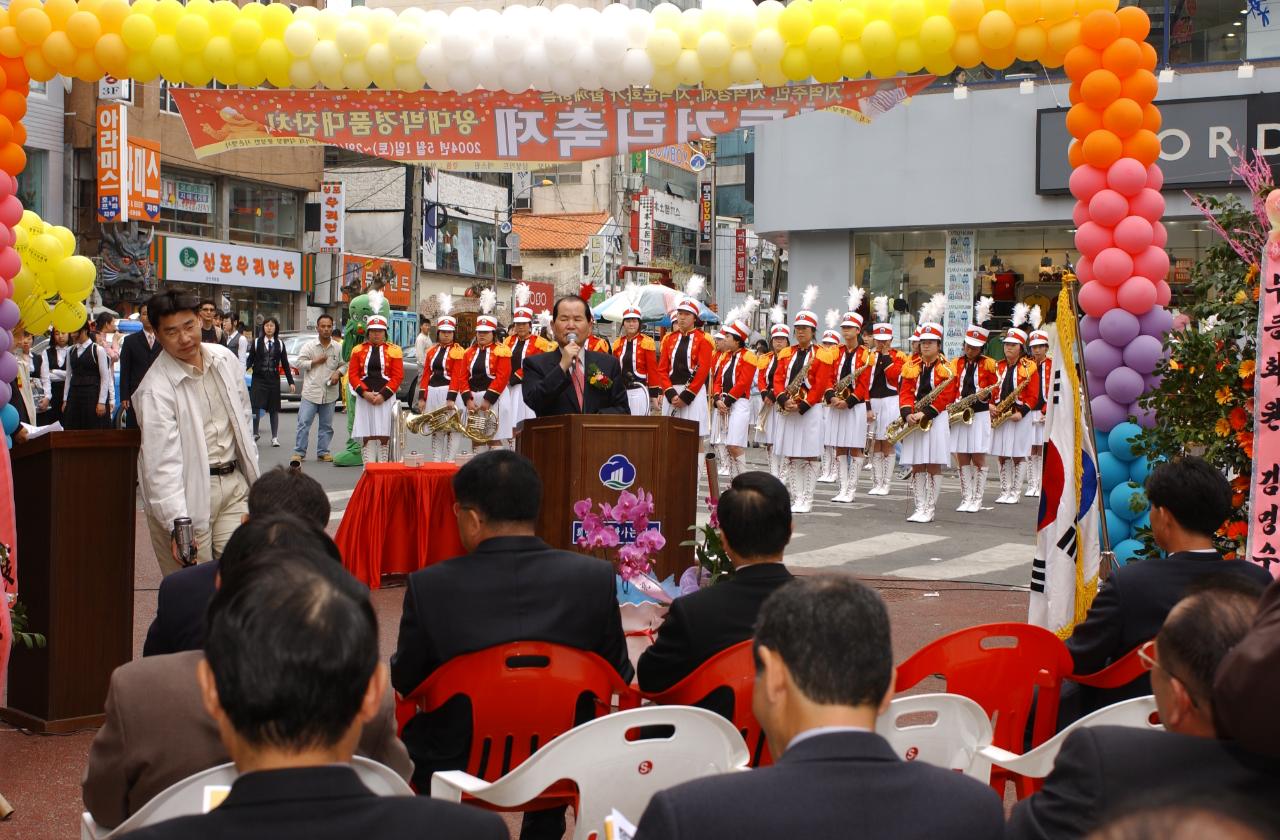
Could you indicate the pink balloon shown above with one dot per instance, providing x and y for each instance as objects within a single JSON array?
[
  {"x": 1159, "y": 236},
  {"x": 1084, "y": 270},
  {"x": 1086, "y": 180},
  {"x": 1152, "y": 263},
  {"x": 1096, "y": 299},
  {"x": 1163, "y": 293},
  {"x": 1127, "y": 176},
  {"x": 8, "y": 186},
  {"x": 10, "y": 262},
  {"x": 6, "y": 236},
  {"x": 1092, "y": 238},
  {"x": 10, "y": 210},
  {"x": 1134, "y": 234},
  {"x": 1080, "y": 214},
  {"x": 1108, "y": 207},
  {"x": 1112, "y": 267},
  {"x": 1148, "y": 204},
  {"x": 1155, "y": 177},
  {"x": 1137, "y": 295}
]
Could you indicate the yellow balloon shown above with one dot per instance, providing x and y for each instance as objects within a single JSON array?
[
  {"x": 996, "y": 30},
  {"x": 65, "y": 237},
  {"x": 20, "y": 240},
  {"x": 937, "y": 35},
  {"x": 46, "y": 285},
  {"x": 825, "y": 12},
  {"x": 1064, "y": 36},
  {"x": 690, "y": 28},
  {"x": 1030, "y": 43},
  {"x": 741, "y": 28},
  {"x": 879, "y": 41},
  {"x": 251, "y": 74},
  {"x": 712, "y": 19},
  {"x": 826, "y": 72},
  {"x": 714, "y": 50},
  {"x": 59, "y": 12},
  {"x": 662, "y": 47},
  {"x": 999, "y": 59},
  {"x": 1087, "y": 6},
  {"x": 742, "y": 67},
  {"x": 24, "y": 283},
  {"x": 166, "y": 15},
  {"x": 33, "y": 26},
  {"x": 849, "y": 23},
  {"x": 192, "y": 33},
  {"x": 910, "y": 56},
  {"x": 222, "y": 16},
  {"x": 11, "y": 46},
  {"x": 84, "y": 30},
  {"x": 44, "y": 251},
  {"x": 794, "y": 24},
  {"x": 772, "y": 76},
  {"x": 664, "y": 79},
  {"x": 853, "y": 63},
  {"x": 112, "y": 14},
  {"x": 993, "y": 5},
  {"x": 966, "y": 14},
  {"x": 884, "y": 68},
  {"x": 38, "y": 318},
  {"x": 69, "y": 315},
  {"x": 200, "y": 8},
  {"x": 716, "y": 78},
  {"x": 112, "y": 54},
  {"x": 327, "y": 61},
  {"x": 823, "y": 47},
  {"x": 767, "y": 14},
  {"x": 688, "y": 68},
  {"x": 31, "y": 223},
  {"x": 274, "y": 58},
  {"x": 906, "y": 17},
  {"x": 939, "y": 65},
  {"x": 194, "y": 71},
  {"x": 877, "y": 9},
  {"x": 142, "y": 68},
  {"x": 276, "y": 19},
  {"x": 767, "y": 47},
  {"x": 1056, "y": 11},
  {"x": 220, "y": 58},
  {"x": 74, "y": 277},
  {"x": 795, "y": 64},
  {"x": 246, "y": 35},
  {"x": 1023, "y": 12},
  {"x": 966, "y": 51},
  {"x": 138, "y": 32},
  {"x": 58, "y": 50}
]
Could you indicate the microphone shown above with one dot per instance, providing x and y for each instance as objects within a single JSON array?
[{"x": 572, "y": 338}]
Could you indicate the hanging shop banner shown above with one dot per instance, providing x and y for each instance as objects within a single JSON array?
[
  {"x": 332, "y": 211},
  {"x": 704, "y": 209},
  {"x": 674, "y": 210},
  {"x": 144, "y": 179},
  {"x": 962, "y": 248},
  {"x": 642, "y": 242},
  {"x": 185, "y": 260},
  {"x": 396, "y": 277},
  {"x": 682, "y": 156},
  {"x": 1264, "y": 490},
  {"x": 111, "y": 151},
  {"x": 506, "y": 131},
  {"x": 740, "y": 260},
  {"x": 187, "y": 196}
]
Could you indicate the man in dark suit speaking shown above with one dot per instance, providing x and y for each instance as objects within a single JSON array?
[{"x": 573, "y": 381}]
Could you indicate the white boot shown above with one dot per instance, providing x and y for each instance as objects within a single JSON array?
[
  {"x": 1019, "y": 476},
  {"x": 828, "y": 465},
  {"x": 1033, "y": 475},
  {"x": 920, "y": 495},
  {"x": 369, "y": 452},
  {"x": 979, "y": 488},
  {"x": 855, "y": 470},
  {"x": 879, "y": 487},
  {"x": 933, "y": 486},
  {"x": 1006, "y": 481},
  {"x": 435, "y": 448},
  {"x": 966, "y": 487},
  {"x": 737, "y": 465},
  {"x": 722, "y": 459},
  {"x": 811, "y": 485},
  {"x": 842, "y": 473},
  {"x": 798, "y": 471}
]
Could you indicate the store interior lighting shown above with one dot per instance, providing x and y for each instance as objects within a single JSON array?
[
  {"x": 960, "y": 92},
  {"x": 1244, "y": 71},
  {"x": 1026, "y": 86},
  {"x": 1166, "y": 76},
  {"x": 929, "y": 261}
]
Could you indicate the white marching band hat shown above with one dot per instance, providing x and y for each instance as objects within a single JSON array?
[{"x": 375, "y": 322}]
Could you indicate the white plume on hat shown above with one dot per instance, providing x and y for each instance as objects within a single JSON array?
[
  {"x": 376, "y": 300},
  {"x": 742, "y": 311},
  {"x": 444, "y": 302},
  {"x": 1020, "y": 312},
  {"x": 694, "y": 285},
  {"x": 880, "y": 306},
  {"x": 934, "y": 309},
  {"x": 856, "y": 295},
  {"x": 810, "y": 295},
  {"x": 982, "y": 310},
  {"x": 488, "y": 299},
  {"x": 523, "y": 293},
  {"x": 544, "y": 319},
  {"x": 777, "y": 315},
  {"x": 833, "y": 318},
  {"x": 631, "y": 294},
  {"x": 1036, "y": 317}
]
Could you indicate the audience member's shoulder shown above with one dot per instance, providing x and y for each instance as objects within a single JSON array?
[
  {"x": 448, "y": 818},
  {"x": 1250, "y": 570},
  {"x": 198, "y": 576},
  {"x": 157, "y": 670}
]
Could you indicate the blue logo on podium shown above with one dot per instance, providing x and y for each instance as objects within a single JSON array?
[{"x": 617, "y": 473}]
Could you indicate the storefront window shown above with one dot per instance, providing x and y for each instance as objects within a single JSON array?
[
  {"x": 1207, "y": 30},
  {"x": 187, "y": 205},
  {"x": 674, "y": 243},
  {"x": 32, "y": 180},
  {"x": 263, "y": 216},
  {"x": 469, "y": 247}
]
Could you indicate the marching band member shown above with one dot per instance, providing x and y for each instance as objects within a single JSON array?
[
  {"x": 847, "y": 409},
  {"x": 1011, "y": 439},
  {"x": 638, "y": 356},
  {"x": 485, "y": 372},
  {"x": 438, "y": 371},
  {"x": 779, "y": 340},
  {"x": 972, "y": 441},
  {"x": 928, "y": 451},
  {"x": 1039, "y": 345},
  {"x": 717, "y": 421},
  {"x": 884, "y": 396},
  {"x": 374, "y": 374},
  {"x": 732, "y": 375},
  {"x": 592, "y": 342},
  {"x": 522, "y": 343},
  {"x": 684, "y": 363},
  {"x": 799, "y": 426},
  {"x": 831, "y": 342}
]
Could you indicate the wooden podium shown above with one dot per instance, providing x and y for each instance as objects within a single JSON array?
[
  {"x": 597, "y": 456},
  {"x": 76, "y": 507}
]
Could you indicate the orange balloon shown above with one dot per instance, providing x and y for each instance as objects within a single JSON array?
[
  {"x": 59, "y": 51},
  {"x": 86, "y": 68},
  {"x": 1099, "y": 28},
  {"x": 1051, "y": 58},
  {"x": 1001, "y": 58},
  {"x": 1143, "y": 146},
  {"x": 1134, "y": 23},
  {"x": 6, "y": 130},
  {"x": 1073, "y": 93},
  {"x": 19, "y": 133},
  {"x": 1122, "y": 57},
  {"x": 1075, "y": 154},
  {"x": 12, "y": 159},
  {"x": 1081, "y": 61},
  {"x": 1141, "y": 86},
  {"x": 11, "y": 46},
  {"x": 1102, "y": 148},
  {"x": 1099, "y": 89},
  {"x": 4, "y": 78},
  {"x": 13, "y": 104},
  {"x": 16, "y": 73},
  {"x": 1149, "y": 56},
  {"x": 1123, "y": 117},
  {"x": 1151, "y": 119},
  {"x": 1083, "y": 121}
]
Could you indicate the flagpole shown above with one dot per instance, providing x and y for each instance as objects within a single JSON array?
[{"x": 1108, "y": 557}]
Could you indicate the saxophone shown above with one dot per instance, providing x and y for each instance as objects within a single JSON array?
[
  {"x": 900, "y": 428},
  {"x": 797, "y": 382},
  {"x": 844, "y": 387},
  {"x": 1003, "y": 410},
  {"x": 962, "y": 410}
]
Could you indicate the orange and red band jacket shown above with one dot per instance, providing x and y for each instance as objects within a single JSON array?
[
  {"x": 791, "y": 360},
  {"x": 974, "y": 376},
  {"x": 684, "y": 364},
  {"x": 376, "y": 367},
  {"x": 1044, "y": 381},
  {"x": 919, "y": 379},
  {"x": 484, "y": 369},
  {"x": 1013, "y": 377},
  {"x": 596, "y": 344},
  {"x": 638, "y": 357},
  {"x": 887, "y": 373},
  {"x": 732, "y": 375},
  {"x": 846, "y": 363},
  {"x": 768, "y": 365},
  {"x": 439, "y": 366},
  {"x": 523, "y": 348}
]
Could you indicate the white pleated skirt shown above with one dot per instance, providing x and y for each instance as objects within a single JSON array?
[
  {"x": 886, "y": 411},
  {"x": 697, "y": 412},
  {"x": 638, "y": 401},
  {"x": 769, "y": 411},
  {"x": 799, "y": 435},
  {"x": 731, "y": 429},
  {"x": 847, "y": 427},
  {"x": 372, "y": 420},
  {"x": 1037, "y": 429},
  {"x": 932, "y": 447},
  {"x": 1012, "y": 439},
  {"x": 972, "y": 438},
  {"x": 504, "y": 420},
  {"x": 512, "y": 403},
  {"x": 437, "y": 395}
]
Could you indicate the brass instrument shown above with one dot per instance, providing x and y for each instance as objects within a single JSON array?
[
  {"x": 844, "y": 386},
  {"x": 900, "y": 428},
  {"x": 1003, "y": 410},
  {"x": 962, "y": 410},
  {"x": 797, "y": 382},
  {"x": 481, "y": 425}
]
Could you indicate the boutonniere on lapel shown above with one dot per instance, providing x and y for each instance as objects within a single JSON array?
[{"x": 598, "y": 379}]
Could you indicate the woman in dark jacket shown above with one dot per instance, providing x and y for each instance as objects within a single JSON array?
[{"x": 267, "y": 358}]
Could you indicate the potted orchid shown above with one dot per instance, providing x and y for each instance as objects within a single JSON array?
[
  {"x": 713, "y": 563},
  {"x": 623, "y": 534}
]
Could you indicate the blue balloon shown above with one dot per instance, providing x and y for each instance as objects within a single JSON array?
[
  {"x": 1118, "y": 440},
  {"x": 9, "y": 419},
  {"x": 1126, "y": 551},
  {"x": 1114, "y": 471},
  {"x": 1101, "y": 442},
  {"x": 1117, "y": 529},
  {"x": 1128, "y": 501},
  {"x": 1139, "y": 469},
  {"x": 1143, "y": 521}
]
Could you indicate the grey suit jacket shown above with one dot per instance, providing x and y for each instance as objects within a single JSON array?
[{"x": 157, "y": 733}]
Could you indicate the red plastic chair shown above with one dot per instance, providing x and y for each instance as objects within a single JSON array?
[
  {"x": 523, "y": 694},
  {"x": 733, "y": 668},
  {"x": 1123, "y": 671},
  {"x": 1002, "y": 678}
]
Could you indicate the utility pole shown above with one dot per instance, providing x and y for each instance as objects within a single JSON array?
[{"x": 496, "y": 249}]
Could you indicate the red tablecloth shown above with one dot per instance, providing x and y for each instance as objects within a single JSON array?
[{"x": 400, "y": 519}]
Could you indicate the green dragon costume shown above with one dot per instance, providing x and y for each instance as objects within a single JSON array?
[{"x": 358, "y": 312}]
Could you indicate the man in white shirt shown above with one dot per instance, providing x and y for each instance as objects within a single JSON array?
[
  {"x": 198, "y": 457},
  {"x": 423, "y": 340},
  {"x": 321, "y": 365}
]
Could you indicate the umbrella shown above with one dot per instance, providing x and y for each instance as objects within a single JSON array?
[{"x": 655, "y": 303}]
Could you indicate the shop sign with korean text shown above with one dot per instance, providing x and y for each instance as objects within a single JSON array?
[
  {"x": 506, "y": 131},
  {"x": 396, "y": 275},
  {"x": 186, "y": 196},
  {"x": 740, "y": 260},
  {"x": 332, "y": 213},
  {"x": 962, "y": 249},
  {"x": 111, "y": 152},
  {"x": 144, "y": 179},
  {"x": 186, "y": 260}
]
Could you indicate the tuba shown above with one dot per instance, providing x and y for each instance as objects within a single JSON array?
[
  {"x": 900, "y": 428},
  {"x": 480, "y": 427}
]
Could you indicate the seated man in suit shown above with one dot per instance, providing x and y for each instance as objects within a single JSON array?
[
  {"x": 573, "y": 381},
  {"x": 755, "y": 527},
  {"x": 1103, "y": 768},
  {"x": 1189, "y": 502},
  {"x": 1248, "y": 677},
  {"x": 511, "y": 586},
  {"x": 185, "y": 594},
  {"x": 157, "y": 733},
  {"x": 291, "y": 675},
  {"x": 824, "y": 673}
]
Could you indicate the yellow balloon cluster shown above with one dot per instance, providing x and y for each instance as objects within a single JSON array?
[{"x": 50, "y": 269}]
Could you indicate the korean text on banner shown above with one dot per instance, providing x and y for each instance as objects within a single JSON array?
[
  {"x": 144, "y": 179},
  {"x": 704, "y": 212},
  {"x": 962, "y": 249},
  {"x": 644, "y": 238},
  {"x": 113, "y": 163},
  {"x": 332, "y": 217},
  {"x": 1263, "y": 547},
  {"x": 228, "y": 264},
  {"x": 396, "y": 276},
  {"x": 740, "y": 260},
  {"x": 497, "y": 130}
]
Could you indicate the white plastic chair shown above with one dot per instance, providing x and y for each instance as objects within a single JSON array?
[
  {"x": 1037, "y": 763},
  {"x": 954, "y": 739},
  {"x": 187, "y": 797},
  {"x": 609, "y": 770}
]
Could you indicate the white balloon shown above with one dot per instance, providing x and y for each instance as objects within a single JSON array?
[
  {"x": 742, "y": 67},
  {"x": 307, "y": 13},
  {"x": 464, "y": 15},
  {"x": 539, "y": 19},
  {"x": 487, "y": 22},
  {"x": 433, "y": 23},
  {"x": 461, "y": 79},
  {"x": 458, "y": 41},
  {"x": 537, "y": 67},
  {"x": 438, "y": 81},
  {"x": 639, "y": 25},
  {"x": 381, "y": 22},
  {"x": 509, "y": 39},
  {"x": 359, "y": 14},
  {"x": 431, "y": 60},
  {"x": 561, "y": 43},
  {"x": 637, "y": 68},
  {"x": 300, "y": 38},
  {"x": 486, "y": 67},
  {"x": 515, "y": 77},
  {"x": 302, "y": 75},
  {"x": 615, "y": 14},
  {"x": 565, "y": 14},
  {"x": 610, "y": 45},
  {"x": 412, "y": 16},
  {"x": 610, "y": 77},
  {"x": 326, "y": 59},
  {"x": 585, "y": 64},
  {"x": 667, "y": 15},
  {"x": 356, "y": 75},
  {"x": 563, "y": 81},
  {"x": 588, "y": 22}
]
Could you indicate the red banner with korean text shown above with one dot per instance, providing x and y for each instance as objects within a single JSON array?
[
  {"x": 496, "y": 130},
  {"x": 144, "y": 179},
  {"x": 1263, "y": 546},
  {"x": 396, "y": 276}
]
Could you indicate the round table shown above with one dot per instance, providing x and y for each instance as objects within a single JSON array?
[{"x": 400, "y": 519}]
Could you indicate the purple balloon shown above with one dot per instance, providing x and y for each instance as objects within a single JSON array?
[
  {"x": 6, "y": 394},
  {"x": 1156, "y": 321},
  {"x": 10, "y": 315},
  {"x": 1118, "y": 327},
  {"x": 1124, "y": 385},
  {"x": 1107, "y": 413},
  {"x": 6, "y": 340},
  {"x": 1151, "y": 381},
  {"x": 1088, "y": 328},
  {"x": 1146, "y": 417},
  {"x": 1143, "y": 353},
  {"x": 1101, "y": 358},
  {"x": 8, "y": 367},
  {"x": 1097, "y": 384}
]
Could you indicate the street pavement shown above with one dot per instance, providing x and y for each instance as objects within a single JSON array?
[{"x": 870, "y": 537}]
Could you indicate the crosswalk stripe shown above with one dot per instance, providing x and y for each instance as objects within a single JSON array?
[
  {"x": 997, "y": 558},
  {"x": 869, "y": 547}
]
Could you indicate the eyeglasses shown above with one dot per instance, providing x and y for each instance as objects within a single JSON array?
[{"x": 1146, "y": 655}]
